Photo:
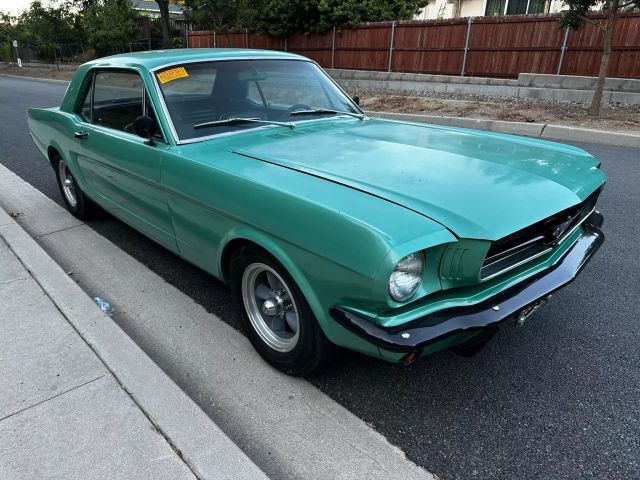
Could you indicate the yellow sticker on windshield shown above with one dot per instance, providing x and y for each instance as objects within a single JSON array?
[{"x": 172, "y": 74}]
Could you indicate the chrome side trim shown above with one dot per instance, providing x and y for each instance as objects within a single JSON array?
[
  {"x": 229, "y": 59},
  {"x": 165, "y": 109}
]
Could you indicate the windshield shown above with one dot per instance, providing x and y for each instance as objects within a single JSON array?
[{"x": 198, "y": 95}]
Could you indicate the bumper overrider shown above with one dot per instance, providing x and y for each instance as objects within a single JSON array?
[{"x": 413, "y": 337}]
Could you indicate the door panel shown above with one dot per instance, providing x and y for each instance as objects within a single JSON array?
[
  {"x": 118, "y": 167},
  {"x": 126, "y": 172}
]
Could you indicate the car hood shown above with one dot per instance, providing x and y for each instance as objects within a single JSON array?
[{"x": 477, "y": 184}]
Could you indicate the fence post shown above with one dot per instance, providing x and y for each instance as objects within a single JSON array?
[
  {"x": 246, "y": 38},
  {"x": 562, "y": 50},
  {"x": 14, "y": 43},
  {"x": 466, "y": 46},
  {"x": 214, "y": 39},
  {"x": 333, "y": 48},
  {"x": 285, "y": 44},
  {"x": 393, "y": 34}
]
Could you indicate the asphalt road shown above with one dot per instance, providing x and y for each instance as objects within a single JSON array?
[{"x": 556, "y": 399}]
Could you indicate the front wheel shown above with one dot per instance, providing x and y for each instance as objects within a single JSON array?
[
  {"x": 74, "y": 199},
  {"x": 275, "y": 315}
]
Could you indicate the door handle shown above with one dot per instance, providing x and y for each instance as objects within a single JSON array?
[{"x": 80, "y": 135}]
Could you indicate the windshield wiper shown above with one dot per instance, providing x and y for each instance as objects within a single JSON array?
[
  {"x": 228, "y": 121},
  {"x": 361, "y": 116}
]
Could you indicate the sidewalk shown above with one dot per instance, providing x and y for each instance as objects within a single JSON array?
[{"x": 63, "y": 413}]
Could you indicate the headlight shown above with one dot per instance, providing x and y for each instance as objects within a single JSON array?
[{"x": 406, "y": 277}]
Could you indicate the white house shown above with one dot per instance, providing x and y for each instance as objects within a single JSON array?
[
  {"x": 150, "y": 8},
  {"x": 441, "y": 9}
]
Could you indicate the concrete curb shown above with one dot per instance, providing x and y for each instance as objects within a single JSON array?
[
  {"x": 208, "y": 452},
  {"x": 536, "y": 130},
  {"x": 48, "y": 80}
]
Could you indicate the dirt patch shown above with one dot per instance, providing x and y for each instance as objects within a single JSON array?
[
  {"x": 38, "y": 72},
  {"x": 618, "y": 118}
]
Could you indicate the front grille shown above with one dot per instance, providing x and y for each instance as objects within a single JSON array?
[{"x": 534, "y": 240}]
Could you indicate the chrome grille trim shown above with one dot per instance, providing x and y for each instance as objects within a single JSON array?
[{"x": 537, "y": 245}]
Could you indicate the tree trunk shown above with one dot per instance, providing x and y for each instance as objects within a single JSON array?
[
  {"x": 594, "y": 109},
  {"x": 164, "y": 20}
]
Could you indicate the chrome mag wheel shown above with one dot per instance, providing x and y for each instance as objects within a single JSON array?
[
  {"x": 270, "y": 307},
  {"x": 68, "y": 184}
]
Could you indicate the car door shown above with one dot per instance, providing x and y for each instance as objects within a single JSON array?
[{"x": 123, "y": 169}]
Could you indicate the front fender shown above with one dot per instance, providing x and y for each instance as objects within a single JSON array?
[
  {"x": 302, "y": 265},
  {"x": 274, "y": 248}
]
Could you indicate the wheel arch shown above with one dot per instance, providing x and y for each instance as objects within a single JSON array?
[
  {"x": 246, "y": 237},
  {"x": 55, "y": 149},
  {"x": 52, "y": 152}
]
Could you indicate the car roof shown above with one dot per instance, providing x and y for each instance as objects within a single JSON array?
[{"x": 157, "y": 58}]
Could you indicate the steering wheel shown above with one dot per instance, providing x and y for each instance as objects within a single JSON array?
[{"x": 297, "y": 106}]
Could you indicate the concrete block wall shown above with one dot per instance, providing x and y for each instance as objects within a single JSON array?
[
  {"x": 560, "y": 88},
  {"x": 576, "y": 82}
]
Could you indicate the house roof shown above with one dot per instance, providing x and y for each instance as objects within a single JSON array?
[{"x": 152, "y": 6}]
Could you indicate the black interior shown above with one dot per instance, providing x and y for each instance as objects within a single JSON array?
[
  {"x": 118, "y": 115},
  {"x": 121, "y": 114}
]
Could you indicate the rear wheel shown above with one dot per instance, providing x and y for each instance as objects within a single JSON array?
[
  {"x": 275, "y": 315},
  {"x": 74, "y": 199}
]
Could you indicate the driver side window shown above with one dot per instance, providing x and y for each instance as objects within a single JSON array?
[{"x": 115, "y": 99}]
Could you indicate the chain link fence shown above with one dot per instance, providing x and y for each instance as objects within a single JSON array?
[
  {"x": 46, "y": 53},
  {"x": 149, "y": 38}
]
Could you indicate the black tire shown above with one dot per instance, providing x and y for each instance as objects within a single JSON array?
[
  {"x": 313, "y": 350},
  {"x": 84, "y": 208}
]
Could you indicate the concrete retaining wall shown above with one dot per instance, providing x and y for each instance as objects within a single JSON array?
[
  {"x": 536, "y": 130},
  {"x": 577, "y": 83},
  {"x": 563, "y": 88}
]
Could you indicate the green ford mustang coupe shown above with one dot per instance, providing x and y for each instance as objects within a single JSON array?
[{"x": 394, "y": 239}]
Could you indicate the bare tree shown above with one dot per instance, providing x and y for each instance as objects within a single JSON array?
[{"x": 576, "y": 18}]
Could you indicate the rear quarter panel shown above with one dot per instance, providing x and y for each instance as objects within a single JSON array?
[{"x": 46, "y": 128}]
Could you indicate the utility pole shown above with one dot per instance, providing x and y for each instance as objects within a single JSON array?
[{"x": 15, "y": 48}]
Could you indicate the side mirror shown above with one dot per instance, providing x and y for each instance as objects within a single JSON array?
[
  {"x": 356, "y": 99},
  {"x": 145, "y": 127}
]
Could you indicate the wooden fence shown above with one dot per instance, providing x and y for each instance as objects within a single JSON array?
[{"x": 480, "y": 46}]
